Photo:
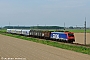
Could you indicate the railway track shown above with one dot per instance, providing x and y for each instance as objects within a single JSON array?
[
  {"x": 61, "y": 42},
  {"x": 81, "y": 45}
]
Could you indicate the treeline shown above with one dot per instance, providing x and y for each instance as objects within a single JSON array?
[
  {"x": 33, "y": 27},
  {"x": 46, "y": 27},
  {"x": 16, "y": 27}
]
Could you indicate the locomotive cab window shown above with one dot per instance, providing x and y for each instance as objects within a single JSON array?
[{"x": 70, "y": 35}]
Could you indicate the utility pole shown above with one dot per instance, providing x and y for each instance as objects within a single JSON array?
[
  {"x": 45, "y": 26},
  {"x": 37, "y": 26},
  {"x": 64, "y": 25},
  {"x": 85, "y": 32},
  {"x": 9, "y": 25},
  {"x": 76, "y": 26}
]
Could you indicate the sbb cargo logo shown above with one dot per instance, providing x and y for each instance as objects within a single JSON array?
[{"x": 56, "y": 36}]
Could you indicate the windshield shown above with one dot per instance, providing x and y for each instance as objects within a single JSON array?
[{"x": 70, "y": 35}]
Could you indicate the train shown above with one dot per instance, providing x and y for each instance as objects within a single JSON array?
[{"x": 64, "y": 36}]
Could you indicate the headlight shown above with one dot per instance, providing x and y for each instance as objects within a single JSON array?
[{"x": 66, "y": 39}]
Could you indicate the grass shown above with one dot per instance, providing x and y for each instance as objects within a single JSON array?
[
  {"x": 79, "y": 30},
  {"x": 2, "y": 30},
  {"x": 80, "y": 49},
  {"x": 76, "y": 30},
  {"x": 71, "y": 30}
]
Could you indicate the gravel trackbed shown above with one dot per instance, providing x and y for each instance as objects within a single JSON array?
[{"x": 18, "y": 49}]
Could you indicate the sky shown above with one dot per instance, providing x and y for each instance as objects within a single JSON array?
[{"x": 44, "y": 12}]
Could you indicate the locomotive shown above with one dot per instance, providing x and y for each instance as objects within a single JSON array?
[{"x": 65, "y": 36}]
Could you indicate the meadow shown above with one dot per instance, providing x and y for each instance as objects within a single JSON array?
[
  {"x": 73, "y": 30},
  {"x": 78, "y": 30}
]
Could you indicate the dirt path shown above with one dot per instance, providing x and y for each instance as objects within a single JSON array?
[
  {"x": 79, "y": 37},
  {"x": 16, "y": 48}
]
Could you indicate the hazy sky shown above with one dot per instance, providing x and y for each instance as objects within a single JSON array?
[{"x": 44, "y": 12}]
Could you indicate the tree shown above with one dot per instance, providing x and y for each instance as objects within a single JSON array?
[{"x": 71, "y": 27}]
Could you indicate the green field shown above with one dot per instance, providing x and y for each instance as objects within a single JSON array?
[
  {"x": 75, "y": 30},
  {"x": 2, "y": 30},
  {"x": 71, "y": 30},
  {"x": 79, "y": 30}
]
